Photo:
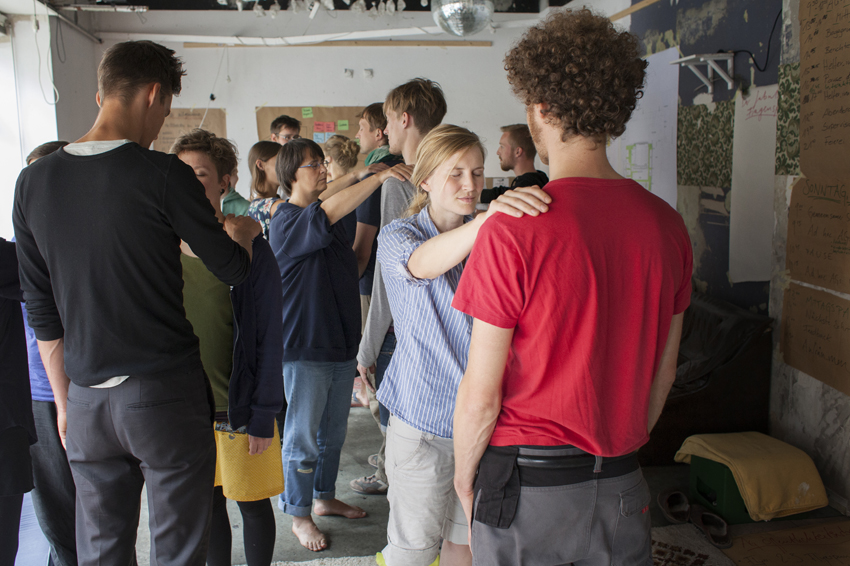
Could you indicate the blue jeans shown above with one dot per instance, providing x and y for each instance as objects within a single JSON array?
[
  {"x": 381, "y": 365},
  {"x": 319, "y": 399}
]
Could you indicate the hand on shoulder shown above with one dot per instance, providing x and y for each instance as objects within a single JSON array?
[
  {"x": 402, "y": 172},
  {"x": 518, "y": 202}
]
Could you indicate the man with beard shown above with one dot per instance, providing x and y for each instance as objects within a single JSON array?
[{"x": 516, "y": 153}]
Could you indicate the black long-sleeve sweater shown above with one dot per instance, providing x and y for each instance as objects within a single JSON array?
[{"x": 99, "y": 251}]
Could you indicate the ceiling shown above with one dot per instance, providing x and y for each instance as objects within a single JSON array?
[{"x": 504, "y": 6}]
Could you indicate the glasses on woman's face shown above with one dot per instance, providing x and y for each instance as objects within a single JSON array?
[{"x": 316, "y": 164}]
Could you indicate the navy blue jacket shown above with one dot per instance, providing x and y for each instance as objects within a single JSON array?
[
  {"x": 318, "y": 269},
  {"x": 15, "y": 400},
  {"x": 255, "y": 393}
]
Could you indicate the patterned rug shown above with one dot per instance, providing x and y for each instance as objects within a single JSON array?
[{"x": 685, "y": 545}]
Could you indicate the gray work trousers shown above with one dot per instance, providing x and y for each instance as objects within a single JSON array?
[
  {"x": 148, "y": 430},
  {"x": 593, "y": 523}
]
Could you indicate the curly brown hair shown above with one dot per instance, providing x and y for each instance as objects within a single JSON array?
[
  {"x": 589, "y": 74},
  {"x": 221, "y": 151}
]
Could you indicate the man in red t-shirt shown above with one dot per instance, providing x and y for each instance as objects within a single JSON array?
[{"x": 578, "y": 315}]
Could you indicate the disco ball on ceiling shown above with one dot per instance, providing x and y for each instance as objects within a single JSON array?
[{"x": 462, "y": 17}]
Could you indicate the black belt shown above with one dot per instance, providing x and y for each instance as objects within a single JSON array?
[{"x": 504, "y": 470}]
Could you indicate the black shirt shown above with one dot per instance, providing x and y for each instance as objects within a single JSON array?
[
  {"x": 538, "y": 178},
  {"x": 15, "y": 400},
  {"x": 99, "y": 250}
]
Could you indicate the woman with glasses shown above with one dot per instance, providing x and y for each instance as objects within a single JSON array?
[{"x": 321, "y": 318}]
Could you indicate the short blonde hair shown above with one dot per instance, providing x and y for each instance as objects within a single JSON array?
[
  {"x": 436, "y": 148},
  {"x": 423, "y": 101},
  {"x": 343, "y": 150}
]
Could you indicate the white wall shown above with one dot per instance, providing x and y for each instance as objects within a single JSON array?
[
  {"x": 474, "y": 83},
  {"x": 473, "y": 78},
  {"x": 36, "y": 117},
  {"x": 10, "y": 136},
  {"x": 75, "y": 60}
]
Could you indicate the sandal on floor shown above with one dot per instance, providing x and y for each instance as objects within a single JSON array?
[
  {"x": 674, "y": 506},
  {"x": 714, "y": 527}
]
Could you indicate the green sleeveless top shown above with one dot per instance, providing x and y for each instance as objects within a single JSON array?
[{"x": 208, "y": 308}]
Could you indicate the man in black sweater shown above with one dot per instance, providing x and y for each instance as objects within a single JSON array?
[
  {"x": 98, "y": 225},
  {"x": 516, "y": 153}
]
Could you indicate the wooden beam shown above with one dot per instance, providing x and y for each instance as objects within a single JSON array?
[
  {"x": 632, "y": 9},
  {"x": 358, "y": 43}
]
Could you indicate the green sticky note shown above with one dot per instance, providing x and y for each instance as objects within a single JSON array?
[
  {"x": 306, "y": 112},
  {"x": 342, "y": 125}
]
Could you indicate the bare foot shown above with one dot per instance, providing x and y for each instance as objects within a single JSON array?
[
  {"x": 337, "y": 507},
  {"x": 308, "y": 534}
]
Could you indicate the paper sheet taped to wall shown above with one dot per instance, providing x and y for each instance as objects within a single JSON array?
[
  {"x": 753, "y": 164},
  {"x": 825, "y": 88},
  {"x": 815, "y": 335},
  {"x": 184, "y": 120},
  {"x": 818, "y": 245}
]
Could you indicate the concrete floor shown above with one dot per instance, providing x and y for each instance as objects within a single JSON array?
[
  {"x": 360, "y": 537},
  {"x": 365, "y": 537}
]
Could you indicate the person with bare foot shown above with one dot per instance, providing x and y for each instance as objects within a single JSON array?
[
  {"x": 422, "y": 257},
  {"x": 321, "y": 317}
]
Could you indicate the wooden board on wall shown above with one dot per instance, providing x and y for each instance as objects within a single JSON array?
[
  {"x": 317, "y": 122},
  {"x": 184, "y": 120},
  {"x": 824, "y": 88},
  {"x": 815, "y": 336}
]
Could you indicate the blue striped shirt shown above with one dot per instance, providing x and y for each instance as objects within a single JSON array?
[{"x": 420, "y": 385}]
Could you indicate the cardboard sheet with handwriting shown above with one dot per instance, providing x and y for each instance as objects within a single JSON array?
[
  {"x": 818, "y": 246},
  {"x": 825, "y": 88},
  {"x": 184, "y": 120},
  {"x": 815, "y": 336}
]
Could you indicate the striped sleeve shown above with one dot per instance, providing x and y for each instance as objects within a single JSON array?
[{"x": 396, "y": 243}]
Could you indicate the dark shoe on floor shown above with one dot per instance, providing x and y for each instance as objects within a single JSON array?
[
  {"x": 373, "y": 460},
  {"x": 714, "y": 527},
  {"x": 370, "y": 485},
  {"x": 674, "y": 506}
]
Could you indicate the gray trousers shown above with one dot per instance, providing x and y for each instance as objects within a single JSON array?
[
  {"x": 594, "y": 523},
  {"x": 148, "y": 430}
]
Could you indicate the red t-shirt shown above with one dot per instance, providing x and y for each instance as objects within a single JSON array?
[{"x": 590, "y": 289}]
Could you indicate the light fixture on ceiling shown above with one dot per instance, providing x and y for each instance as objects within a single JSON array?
[
  {"x": 104, "y": 8},
  {"x": 258, "y": 9},
  {"x": 274, "y": 9},
  {"x": 462, "y": 17}
]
